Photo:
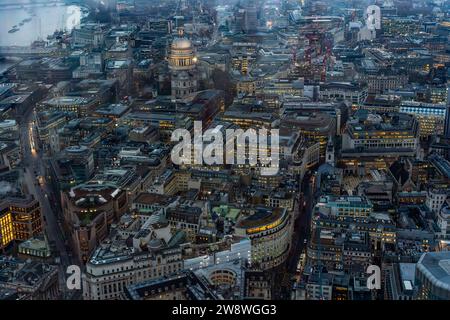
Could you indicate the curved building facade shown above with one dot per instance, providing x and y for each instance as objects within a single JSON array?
[
  {"x": 89, "y": 210},
  {"x": 433, "y": 276},
  {"x": 270, "y": 232}
]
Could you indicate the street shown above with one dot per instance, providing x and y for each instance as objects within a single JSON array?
[
  {"x": 301, "y": 233},
  {"x": 34, "y": 165}
]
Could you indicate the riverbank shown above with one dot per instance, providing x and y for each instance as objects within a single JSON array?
[{"x": 39, "y": 22}]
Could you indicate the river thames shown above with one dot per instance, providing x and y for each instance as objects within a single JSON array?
[
  {"x": 44, "y": 20},
  {"x": 34, "y": 20}
]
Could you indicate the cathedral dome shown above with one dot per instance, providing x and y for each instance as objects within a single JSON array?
[{"x": 181, "y": 43}]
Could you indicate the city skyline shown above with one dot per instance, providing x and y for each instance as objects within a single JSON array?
[{"x": 209, "y": 150}]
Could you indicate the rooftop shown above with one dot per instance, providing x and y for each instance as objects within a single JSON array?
[
  {"x": 436, "y": 266},
  {"x": 67, "y": 101},
  {"x": 262, "y": 216}
]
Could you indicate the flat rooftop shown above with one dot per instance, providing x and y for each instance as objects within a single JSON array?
[{"x": 62, "y": 101}]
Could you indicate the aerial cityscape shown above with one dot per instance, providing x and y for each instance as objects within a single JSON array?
[{"x": 225, "y": 150}]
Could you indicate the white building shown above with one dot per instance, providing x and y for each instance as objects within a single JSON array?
[
  {"x": 443, "y": 221},
  {"x": 111, "y": 269},
  {"x": 115, "y": 264},
  {"x": 435, "y": 199}
]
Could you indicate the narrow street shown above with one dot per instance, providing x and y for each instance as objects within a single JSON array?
[
  {"x": 300, "y": 237},
  {"x": 33, "y": 166}
]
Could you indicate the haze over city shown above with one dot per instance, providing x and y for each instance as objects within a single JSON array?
[{"x": 225, "y": 150}]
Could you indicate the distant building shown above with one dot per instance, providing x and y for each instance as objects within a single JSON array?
[
  {"x": 80, "y": 105},
  {"x": 89, "y": 35},
  {"x": 316, "y": 126},
  {"x": 120, "y": 69},
  {"x": 373, "y": 141},
  {"x": 382, "y": 81},
  {"x": 251, "y": 16},
  {"x": 447, "y": 115},
  {"x": 48, "y": 69},
  {"x": 431, "y": 117},
  {"x": 354, "y": 93}
]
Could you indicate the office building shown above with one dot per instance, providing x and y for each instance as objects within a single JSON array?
[
  {"x": 269, "y": 230},
  {"x": 20, "y": 220},
  {"x": 432, "y": 276}
]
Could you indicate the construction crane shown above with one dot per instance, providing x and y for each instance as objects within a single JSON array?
[{"x": 326, "y": 60}]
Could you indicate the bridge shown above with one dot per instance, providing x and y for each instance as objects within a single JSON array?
[{"x": 26, "y": 52}]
